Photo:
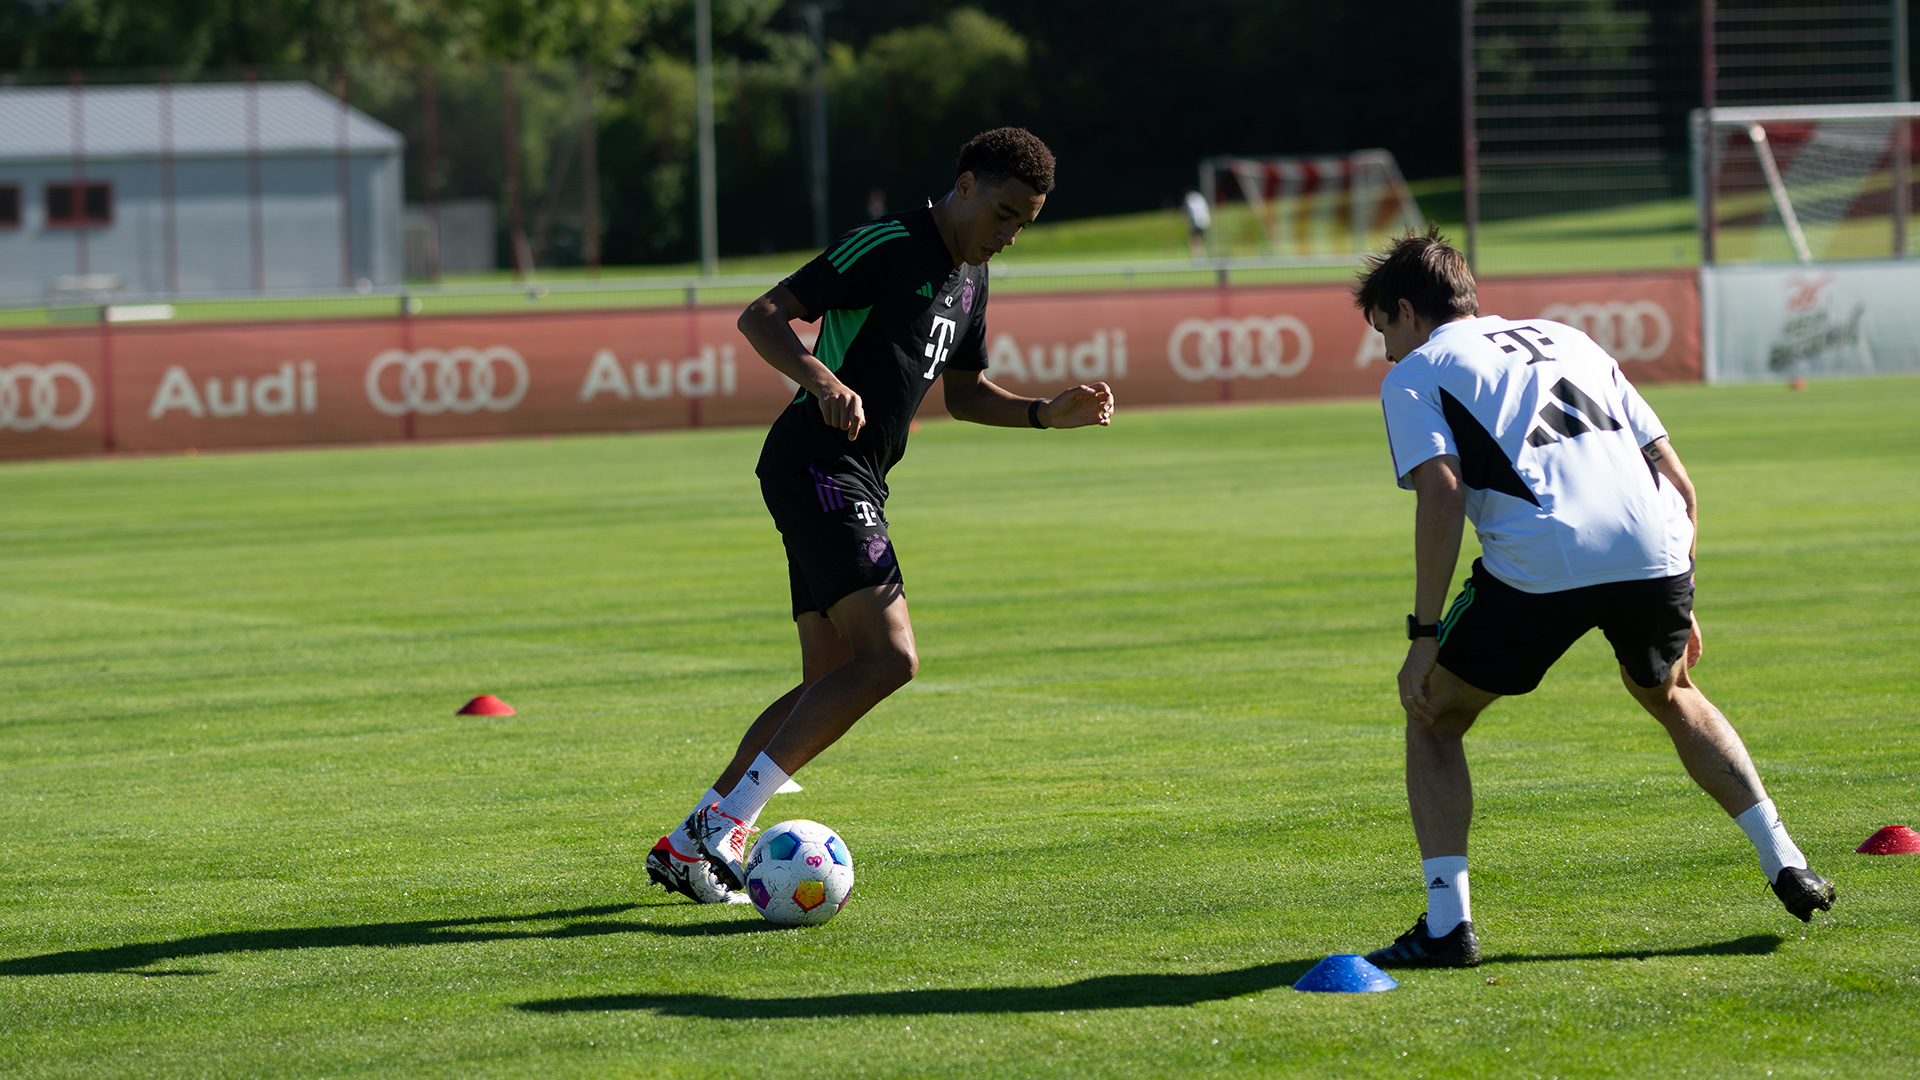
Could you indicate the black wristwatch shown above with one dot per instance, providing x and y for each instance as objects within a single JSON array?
[{"x": 1417, "y": 630}]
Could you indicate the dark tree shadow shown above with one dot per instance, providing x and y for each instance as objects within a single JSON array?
[
  {"x": 131, "y": 958},
  {"x": 1099, "y": 992},
  {"x": 1751, "y": 945}
]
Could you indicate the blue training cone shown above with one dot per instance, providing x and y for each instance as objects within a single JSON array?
[{"x": 1345, "y": 973}]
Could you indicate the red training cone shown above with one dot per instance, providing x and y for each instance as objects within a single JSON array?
[
  {"x": 1892, "y": 840},
  {"x": 486, "y": 705}
]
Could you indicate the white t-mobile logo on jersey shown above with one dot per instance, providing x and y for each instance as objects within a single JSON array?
[
  {"x": 864, "y": 511},
  {"x": 937, "y": 348}
]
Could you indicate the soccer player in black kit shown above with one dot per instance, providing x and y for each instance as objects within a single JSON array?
[{"x": 904, "y": 299}]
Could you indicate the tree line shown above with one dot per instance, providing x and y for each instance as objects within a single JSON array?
[{"x": 1129, "y": 93}]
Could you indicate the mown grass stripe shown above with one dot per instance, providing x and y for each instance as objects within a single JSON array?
[{"x": 242, "y": 824}]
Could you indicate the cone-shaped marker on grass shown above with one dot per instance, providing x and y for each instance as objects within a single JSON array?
[
  {"x": 1345, "y": 973},
  {"x": 1892, "y": 840},
  {"x": 486, "y": 705}
]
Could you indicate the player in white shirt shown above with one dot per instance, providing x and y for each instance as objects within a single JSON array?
[{"x": 1586, "y": 518}]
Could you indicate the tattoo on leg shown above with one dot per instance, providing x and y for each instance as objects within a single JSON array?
[{"x": 1739, "y": 777}]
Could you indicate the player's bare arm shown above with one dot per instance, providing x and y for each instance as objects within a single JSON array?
[
  {"x": 1439, "y": 520},
  {"x": 767, "y": 324},
  {"x": 972, "y": 397},
  {"x": 1666, "y": 462}
]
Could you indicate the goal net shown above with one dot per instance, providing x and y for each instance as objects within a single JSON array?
[
  {"x": 1805, "y": 183},
  {"x": 1316, "y": 204}
]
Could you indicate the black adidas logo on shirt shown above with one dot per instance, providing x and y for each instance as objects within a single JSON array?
[{"x": 1566, "y": 423}]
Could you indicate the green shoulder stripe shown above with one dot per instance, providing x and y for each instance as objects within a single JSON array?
[{"x": 864, "y": 241}]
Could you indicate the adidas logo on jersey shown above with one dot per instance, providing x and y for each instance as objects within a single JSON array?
[
  {"x": 925, "y": 290},
  {"x": 1564, "y": 422}
]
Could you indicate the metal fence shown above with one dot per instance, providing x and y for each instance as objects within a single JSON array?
[{"x": 1577, "y": 105}]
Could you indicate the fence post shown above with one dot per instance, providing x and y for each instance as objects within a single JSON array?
[
  {"x": 1469, "y": 138},
  {"x": 1710, "y": 139}
]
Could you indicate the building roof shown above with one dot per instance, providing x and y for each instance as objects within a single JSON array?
[{"x": 209, "y": 120}]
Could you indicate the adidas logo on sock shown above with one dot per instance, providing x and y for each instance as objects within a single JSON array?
[
  {"x": 1438, "y": 883},
  {"x": 753, "y": 775}
]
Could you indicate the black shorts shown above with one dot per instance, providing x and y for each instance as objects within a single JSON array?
[
  {"x": 1502, "y": 640},
  {"x": 835, "y": 532}
]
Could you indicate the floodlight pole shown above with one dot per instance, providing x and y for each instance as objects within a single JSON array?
[
  {"x": 1469, "y": 138},
  {"x": 169, "y": 225},
  {"x": 1902, "y": 133},
  {"x": 703, "y": 93},
  {"x": 589, "y": 169},
  {"x": 815, "y": 15}
]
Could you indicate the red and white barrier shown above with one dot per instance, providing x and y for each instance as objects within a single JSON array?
[{"x": 158, "y": 387}]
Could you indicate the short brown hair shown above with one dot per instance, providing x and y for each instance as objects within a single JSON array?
[
  {"x": 1425, "y": 271},
  {"x": 1008, "y": 153}
]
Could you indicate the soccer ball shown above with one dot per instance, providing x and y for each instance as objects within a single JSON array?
[{"x": 799, "y": 874}]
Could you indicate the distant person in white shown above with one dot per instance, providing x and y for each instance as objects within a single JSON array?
[
  {"x": 1586, "y": 518},
  {"x": 1199, "y": 223}
]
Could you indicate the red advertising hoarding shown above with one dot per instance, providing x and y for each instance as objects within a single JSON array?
[{"x": 173, "y": 386}]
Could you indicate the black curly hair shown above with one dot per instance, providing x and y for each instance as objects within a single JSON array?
[{"x": 1008, "y": 153}]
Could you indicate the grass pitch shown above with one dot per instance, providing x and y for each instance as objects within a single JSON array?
[{"x": 1148, "y": 775}]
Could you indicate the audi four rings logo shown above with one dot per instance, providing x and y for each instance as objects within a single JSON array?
[
  {"x": 1639, "y": 330},
  {"x": 1251, "y": 348},
  {"x": 30, "y": 397},
  {"x": 448, "y": 380}
]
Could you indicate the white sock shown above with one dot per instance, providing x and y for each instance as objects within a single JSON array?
[
  {"x": 1448, "y": 901},
  {"x": 1761, "y": 823},
  {"x": 750, "y": 795},
  {"x": 678, "y": 840}
]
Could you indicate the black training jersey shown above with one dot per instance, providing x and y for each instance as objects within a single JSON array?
[{"x": 897, "y": 312}]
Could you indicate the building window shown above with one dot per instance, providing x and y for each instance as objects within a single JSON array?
[
  {"x": 79, "y": 204},
  {"x": 9, "y": 206}
]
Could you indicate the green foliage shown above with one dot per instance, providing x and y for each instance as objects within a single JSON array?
[
  {"x": 905, "y": 103},
  {"x": 1149, "y": 772}
]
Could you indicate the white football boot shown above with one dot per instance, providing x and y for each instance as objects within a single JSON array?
[
  {"x": 723, "y": 840},
  {"x": 691, "y": 876}
]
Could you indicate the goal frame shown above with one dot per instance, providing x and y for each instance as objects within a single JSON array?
[
  {"x": 1266, "y": 181},
  {"x": 1707, "y": 166}
]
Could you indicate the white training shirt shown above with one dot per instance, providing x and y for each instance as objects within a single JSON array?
[{"x": 1548, "y": 433}]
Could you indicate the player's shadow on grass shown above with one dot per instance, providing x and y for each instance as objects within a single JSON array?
[
  {"x": 1751, "y": 945},
  {"x": 131, "y": 959},
  {"x": 1099, "y": 992}
]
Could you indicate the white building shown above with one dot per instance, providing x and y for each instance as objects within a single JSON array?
[{"x": 165, "y": 190}]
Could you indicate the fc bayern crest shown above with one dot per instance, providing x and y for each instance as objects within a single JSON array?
[
  {"x": 966, "y": 295},
  {"x": 878, "y": 553}
]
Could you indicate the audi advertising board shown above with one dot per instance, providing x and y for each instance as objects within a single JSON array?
[{"x": 148, "y": 387}]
